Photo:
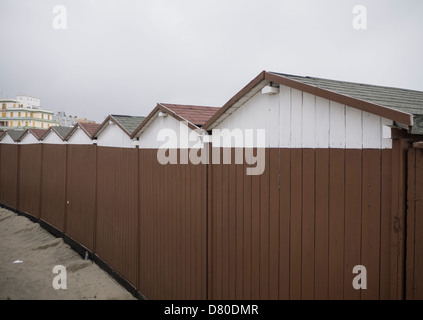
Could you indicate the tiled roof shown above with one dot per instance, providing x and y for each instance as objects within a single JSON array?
[
  {"x": 15, "y": 134},
  {"x": 129, "y": 123},
  {"x": 38, "y": 132},
  {"x": 197, "y": 115},
  {"x": 91, "y": 128},
  {"x": 409, "y": 101},
  {"x": 62, "y": 131}
]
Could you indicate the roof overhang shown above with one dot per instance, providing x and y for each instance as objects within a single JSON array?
[
  {"x": 74, "y": 129},
  {"x": 265, "y": 78},
  {"x": 51, "y": 129},
  {"x": 154, "y": 114},
  {"x": 105, "y": 124}
]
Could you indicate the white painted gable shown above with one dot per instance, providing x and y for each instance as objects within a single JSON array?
[
  {"x": 167, "y": 126},
  {"x": 79, "y": 137},
  {"x": 295, "y": 119},
  {"x": 114, "y": 136},
  {"x": 29, "y": 139},
  {"x": 7, "y": 140},
  {"x": 52, "y": 138}
]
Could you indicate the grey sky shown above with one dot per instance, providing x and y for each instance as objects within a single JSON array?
[{"x": 123, "y": 57}]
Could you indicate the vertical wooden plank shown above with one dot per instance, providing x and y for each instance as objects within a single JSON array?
[
  {"x": 188, "y": 230},
  {"x": 179, "y": 212},
  {"x": 232, "y": 229},
  {"x": 386, "y": 210},
  {"x": 418, "y": 224},
  {"x": 336, "y": 224},
  {"x": 225, "y": 229},
  {"x": 308, "y": 251},
  {"x": 411, "y": 217},
  {"x": 370, "y": 257},
  {"x": 404, "y": 146},
  {"x": 274, "y": 224},
  {"x": 247, "y": 234},
  {"x": 239, "y": 231},
  {"x": 264, "y": 226},
  {"x": 337, "y": 125},
  {"x": 296, "y": 217},
  {"x": 322, "y": 123},
  {"x": 395, "y": 219},
  {"x": 309, "y": 121},
  {"x": 321, "y": 263},
  {"x": 184, "y": 228},
  {"x": 353, "y": 160},
  {"x": 211, "y": 186},
  {"x": 296, "y": 118},
  {"x": 284, "y": 223},
  {"x": 285, "y": 117},
  {"x": 255, "y": 236},
  {"x": 218, "y": 228}
]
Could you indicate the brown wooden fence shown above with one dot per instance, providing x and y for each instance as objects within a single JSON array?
[
  {"x": 211, "y": 231},
  {"x": 414, "y": 272}
]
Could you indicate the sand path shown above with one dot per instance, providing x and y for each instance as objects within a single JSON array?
[{"x": 21, "y": 239}]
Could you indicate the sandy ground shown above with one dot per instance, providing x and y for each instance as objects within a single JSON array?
[{"x": 21, "y": 239}]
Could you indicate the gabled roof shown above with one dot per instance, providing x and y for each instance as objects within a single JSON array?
[
  {"x": 37, "y": 133},
  {"x": 14, "y": 134},
  {"x": 196, "y": 116},
  {"x": 59, "y": 130},
  {"x": 88, "y": 128},
  {"x": 400, "y": 105},
  {"x": 127, "y": 123}
]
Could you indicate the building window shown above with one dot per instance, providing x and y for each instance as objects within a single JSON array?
[
  {"x": 11, "y": 114},
  {"x": 3, "y": 107},
  {"x": 14, "y": 105},
  {"x": 3, "y": 114},
  {"x": 19, "y": 123},
  {"x": 19, "y": 114},
  {"x": 26, "y": 123},
  {"x": 42, "y": 125}
]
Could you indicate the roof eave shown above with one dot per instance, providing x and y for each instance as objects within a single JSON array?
[
  {"x": 385, "y": 112},
  {"x": 266, "y": 77}
]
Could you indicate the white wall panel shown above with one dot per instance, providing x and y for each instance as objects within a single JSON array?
[
  {"x": 309, "y": 121},
  {"x": 294, "y": 119},
  {"x": 114, "y": 136},
  {"x": 336, "y": 125},
  {"x": 29, "y": 139},
  {"x": 353, "y": 128},
  {"x": 322, "y": 123},
  {"x": 53, "y": 138},
  {"x": 79, "y": 137}
]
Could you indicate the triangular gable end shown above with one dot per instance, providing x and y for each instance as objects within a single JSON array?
[{"x": 292, "y": 118}]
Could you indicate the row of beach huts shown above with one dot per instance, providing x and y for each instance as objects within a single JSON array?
[{"x": 341, "y": 175}]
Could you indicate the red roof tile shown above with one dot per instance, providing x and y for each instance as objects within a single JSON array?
[
  {"x": 38, "y": 132},
  {"x": 196, "y": 114},
  {"x": 91, "y": 128}
]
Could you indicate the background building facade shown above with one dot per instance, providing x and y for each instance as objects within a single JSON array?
[{"x": 25, "y": 113}]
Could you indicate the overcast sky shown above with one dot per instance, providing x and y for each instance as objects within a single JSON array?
[{"x": 122, "y": 57}]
